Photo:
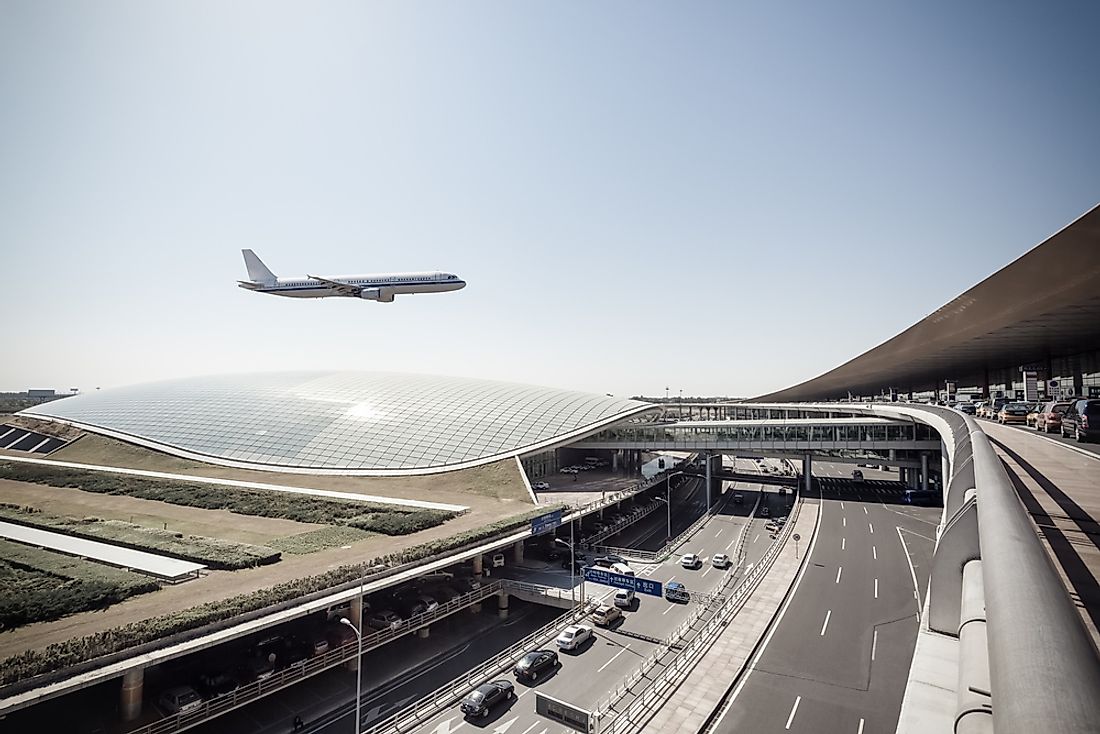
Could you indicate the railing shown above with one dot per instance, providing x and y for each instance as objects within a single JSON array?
[
  {"x": 623, "y": 524},
  {"x": 446, "y": 695},
  {"x": 258, "y": 689}
]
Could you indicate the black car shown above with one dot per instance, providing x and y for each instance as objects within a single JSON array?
[
  {"x": 480, "y": 701},
  {"x": 608, "y": 561},
  {"x": 212, "y": 685},
  {"x": 534, "y": 664},
  {"x": 580, "y": 559},
  {"x": 1082, "y": 420}
]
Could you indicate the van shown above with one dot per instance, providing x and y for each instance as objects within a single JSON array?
[
  {"x": 498, "y": 560},
  {"x": 624, "y": 598},
  {"x": 622, "y": 568}
]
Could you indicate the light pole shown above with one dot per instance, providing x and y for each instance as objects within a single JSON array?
[
  {"x": 358, "y": 663},
  {"x": 572, "y": 564}
]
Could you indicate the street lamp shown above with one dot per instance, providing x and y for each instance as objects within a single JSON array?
[
  {"x": 668, "y": 500},
  {"x": 358, "y": 664},
  {"x": 572, "y": 564}
]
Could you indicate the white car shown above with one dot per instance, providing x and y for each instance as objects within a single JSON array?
[
  {"x": 720, "y": 560},
  {"x": 690, "y": 560},
  {"x": 573, "y": 636},
  {"x": 539, "y": 486}
]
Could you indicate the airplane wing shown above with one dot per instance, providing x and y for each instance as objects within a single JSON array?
[{"x": 344, "y": 289}]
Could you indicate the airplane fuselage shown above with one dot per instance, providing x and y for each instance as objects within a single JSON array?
[{"x": 394, "y": 284}]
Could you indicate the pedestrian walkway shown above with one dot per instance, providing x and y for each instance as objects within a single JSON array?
[
  {"x": 697, "y": 696},
  {"x": 1060, "y": 488}
]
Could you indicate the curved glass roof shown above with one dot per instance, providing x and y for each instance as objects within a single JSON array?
[{"x": 365, "y": 422}]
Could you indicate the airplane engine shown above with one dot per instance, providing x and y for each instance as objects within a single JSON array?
[{"x": 382, "y": 295}]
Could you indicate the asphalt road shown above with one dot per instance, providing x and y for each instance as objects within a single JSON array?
[
  {"x": 839, "y": 656},
  {"x": 1091, "y": 448},
  {"x": 585, "y": 677}
]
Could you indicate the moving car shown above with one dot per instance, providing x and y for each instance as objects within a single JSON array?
[
  {"x": 179, "y": 700},
  {"x": 1082, "y": 420},
  {"x": 690, "y": 560},
  {"x": 622, "y": 569},
  {"x": 384, "y": 619},
  {"x": 480, "y": 701},
  {"x": 675, "y": 591},
  {"x": 720, "y": 560},
  {"x": 624, "y": 598},
  {"x": 212, "y": 685},
  {"x": 606, "y": 615},
  {"x": 534, "y": 664},
  {"x": 1013, "y": 413},
  {"x": 738, "y": 498},
  {"x": 573, "y": 636},
  {"x": 539, "y": 486},
  {"x": 967, "y": 408},
  {"x": 857, "y": 474}
]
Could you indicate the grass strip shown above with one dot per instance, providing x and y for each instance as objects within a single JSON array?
[
  {"x": 212, "y": 552},
  {"x": 372, "y": 517},
  {"x": 61, "y": 655},
  {"x": 312, "y": 541},
  {"x": 40, "y": 585}
]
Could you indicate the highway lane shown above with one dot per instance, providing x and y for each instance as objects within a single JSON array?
[
  {"x": 839, "y": 656},
  {"x": 585, "y": 678}
]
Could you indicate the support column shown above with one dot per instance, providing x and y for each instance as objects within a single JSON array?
[
  {"x": 517, "y": 552},
  {"x": 924, "y": 471},
  {"x": 807, "y": 473},
  {"x": 502, "y": 605},
  {"x": 478, "y": 563},
  {"x": 423, "y": 632},
  {"x": 133, "y": 684},
  {"x": 355, "y": 613},
  {"x": 709, "y": 480}
]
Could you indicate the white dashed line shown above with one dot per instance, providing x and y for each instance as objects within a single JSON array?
[
  {"x": 844, "y": 521},
  {"x": 756, "y": 538},
  {"x": 872, "y": 528},
  {"x": 865, "y": 511},
  {"x": 843, "y": 541},
  {"x": 794, "y": 708},
  {"x": 620, "y": 652},
  {"x": 706, "y": 572},
  {"x": 842, "y": 505},
  {"x": 876, "y": 588},
  {"x": 718, "y": 533},
  {"x": 838, "y": 570},
  {"x": 731, "y": 543},
  {"x": 825, "y": 626},
  {"x": 874, "y": 646},
  {"x": 670, "y": 608},
  {"x": 874, "y": 552},
  {"x": 860, "y": 731}
]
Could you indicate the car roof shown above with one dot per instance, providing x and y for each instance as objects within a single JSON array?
[{"x": 674, "y": 585}]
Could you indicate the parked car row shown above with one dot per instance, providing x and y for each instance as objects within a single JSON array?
[{"x": 1077, "y": 418}]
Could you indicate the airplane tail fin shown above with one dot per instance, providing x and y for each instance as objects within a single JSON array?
[{"x": 257, "y": 271}]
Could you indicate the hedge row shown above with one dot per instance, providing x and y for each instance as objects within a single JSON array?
[
  {"x": 213, "y": 552},
  {"x": 71, "y": 652},
  {"x": 371, "y": 517},
  {"x": 312, "y": 541},
  {"x": 40, "y": 585}
]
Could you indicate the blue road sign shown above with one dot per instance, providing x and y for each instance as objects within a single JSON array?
[
  {"x": 602, "y": 576},
  {"x": 545, "y": 523}
]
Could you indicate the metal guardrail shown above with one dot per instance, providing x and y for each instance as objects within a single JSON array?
[
  {"x": 256, "y": 690},
  {"x": 447, "y": 694},
  {"x": 623, "y": 524}
]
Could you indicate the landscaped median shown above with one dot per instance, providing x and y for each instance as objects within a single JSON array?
[{"x": 180, "y": 626}]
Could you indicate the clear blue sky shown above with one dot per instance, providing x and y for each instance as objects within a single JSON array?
[{"x": 726, "y": 198}]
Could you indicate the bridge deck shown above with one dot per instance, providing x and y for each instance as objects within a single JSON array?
[{"x": 1060, "y": 487}]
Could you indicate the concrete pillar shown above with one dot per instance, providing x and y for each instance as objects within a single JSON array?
[
  {"x": 133, "y": 684},
  {"x": 355, "y": 613},
  {"x": 502, "y": 605},
  {"x": 479, "y": 564},
  {"x": 807, "y": 473},
  {"x": 901, "y": 474},
  {"x": 517, "y": 552},
  {"x": 423, "y": 633},
  {"x": 924, "y": 471},
  {"x": 709, "y": 480}
]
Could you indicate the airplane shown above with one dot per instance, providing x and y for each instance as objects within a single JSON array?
[{"x": 381, "y": 287}]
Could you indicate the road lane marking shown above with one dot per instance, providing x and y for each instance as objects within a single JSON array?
[
  {"x": 860, "y": 731},
  {"x": 826, "y": 624},
  {"x": 874, "y": 644},
  {"x": 620, "y": 652},
  {"x": 876, "y": 588},
  {"x": 844, "y": 521},
  {"x": 794, "y": 708},
  {"x": 503, "y": 728},
  {"x": 706, "y": 572},
  {"x": 912, "y": 572},
  {"x": 842, "y": 505},
  {"x": 756, "y": 538},
  {"x": 865, "y": 511},
  {"x": 872, "y": 527},
  {"x": 731, "y": 543},
  {"x": 530, "y": 728},
  {"x": 842, "y": 543},
  {"x": 718, "y": 533},
  {"x": 874, "y": 552},
  {"x": 838, "y": 570}
]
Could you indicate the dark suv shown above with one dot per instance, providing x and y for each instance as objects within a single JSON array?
[{"x": 1082, "y": 420}]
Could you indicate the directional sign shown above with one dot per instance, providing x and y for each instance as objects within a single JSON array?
[
  {"x": 620, "y": 581},
  {"x": 545, "y": 523}
]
